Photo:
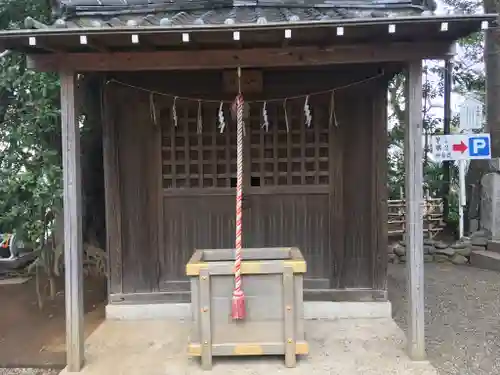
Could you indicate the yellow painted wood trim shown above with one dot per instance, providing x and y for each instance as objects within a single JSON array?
[
  {"x": 193, "y": 269},
  {"x": 248, "y": 349},
  {"x": 194, "y": 350},
  {"x": 301, "y": 348},
  {"x": 249, "y": 267},
  {"x": 298, "y": 266}
]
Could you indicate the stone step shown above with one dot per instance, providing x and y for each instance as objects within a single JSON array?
[
  {"x": 485, "y": 259},
  {"x": 494, "y": 245}
]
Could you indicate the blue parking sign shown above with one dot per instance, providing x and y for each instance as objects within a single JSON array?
[{"x": 479, "y": 146}]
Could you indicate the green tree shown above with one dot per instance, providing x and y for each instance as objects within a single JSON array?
[
  {"x": 30, "y": 167},
  {"x": 30, "y": 145}
]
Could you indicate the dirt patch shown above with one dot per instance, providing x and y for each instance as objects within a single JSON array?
[
  {"x": 27, "y": 371},
  {"x": 30, "y": 337}
]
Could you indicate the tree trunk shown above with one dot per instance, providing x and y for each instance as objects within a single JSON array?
[
  {"x": 478, "y": 168},
  {"x": 492, "y": 62},
  {"x": 52, "y": 287}
]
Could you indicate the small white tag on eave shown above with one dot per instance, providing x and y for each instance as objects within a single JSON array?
[
  {"x": 32, "y": 41},
  {"x": 83, "y": 39},
  {"x": 185, "y": 37},
  {"x": 340, "y": 31},
  {"x": 288, "y": 33},
  {"x": 484, "y": 25},
  {"x": 236, "y": 35},
  {"x": 444, "y": 26},
  {"x": 135, "y": 39},
  {"x": 392, "y": 29}
]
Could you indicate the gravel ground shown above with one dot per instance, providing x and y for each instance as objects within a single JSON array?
[
  {"x": 27, "y": 371},
  {"x": 462, "y": 318},
  {"x": 462, "y": 306}
]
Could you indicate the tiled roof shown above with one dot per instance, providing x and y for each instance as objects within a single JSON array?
[
  {"x": 80, "y": 7},
  {"x": 228, "y": 16},
  {"x": 126, "y": 13}
]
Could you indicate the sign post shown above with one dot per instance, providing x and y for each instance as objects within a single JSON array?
[{"x": 461, "y": 147}]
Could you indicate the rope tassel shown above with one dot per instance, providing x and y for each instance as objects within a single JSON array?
[{"x": 238, "y": 301}]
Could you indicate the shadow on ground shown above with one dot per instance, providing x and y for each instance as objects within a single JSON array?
[{"x": 30, "y": 337}]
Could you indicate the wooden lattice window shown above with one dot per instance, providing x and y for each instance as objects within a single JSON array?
[
  {"x": 297, "y": 156},
  {"x": 193, "y": 159},
  {"x": 274, "y": 157}
]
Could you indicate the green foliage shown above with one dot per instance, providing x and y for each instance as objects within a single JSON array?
[
  {"x": 467, "y": 79},
  {"x": 30, "y": 167}
]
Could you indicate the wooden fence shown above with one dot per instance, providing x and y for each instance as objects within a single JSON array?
[{"x": 432, "y": 212}]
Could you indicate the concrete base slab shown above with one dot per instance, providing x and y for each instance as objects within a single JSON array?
[
  {"x": 341, "y": 347},
  {"x": 14, "y": 280},
  {"x": 312, "y": 310},
  {"x": 149, "y": 311},
  {"x": 488, "y": 260},
  {"x": 347, "y": 310},
  {"x": 494, "y": 245}
]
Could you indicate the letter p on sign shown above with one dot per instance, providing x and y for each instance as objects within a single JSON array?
[{"x": 479, "y": 146}]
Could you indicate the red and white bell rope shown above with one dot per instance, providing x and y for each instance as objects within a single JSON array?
[{"x": 238, "y": 301}]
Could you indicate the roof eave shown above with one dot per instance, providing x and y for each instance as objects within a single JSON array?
[
  {"x": 459, "y": 26},
  {"x": 489, "y": 17}
]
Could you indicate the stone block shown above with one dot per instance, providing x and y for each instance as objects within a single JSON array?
[
  {"x": 473, "y": 225},
  {"x": 448, "y": 251},
  {"x": 460, "y": 245},
  {"x": 488, "y": 260},
  {"x": 429, "y": 242},
  {"x": 494, "y": 246},
  {"x": 465, "y": 251},
  {"x": 441, "y": 258},
  {"x": 440, "y": 245},
  {"x": 479, "y": 241},
  {"x": 428, "y": 249},
  {"x": 400, "y": 250},
  {"x": 458, "y": 259},
  {"x": 490, "y": 204}
]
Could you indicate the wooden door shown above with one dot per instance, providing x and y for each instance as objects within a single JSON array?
[
  {"x": 288, "y": 184},
  {"x": 199, "y": 170}
]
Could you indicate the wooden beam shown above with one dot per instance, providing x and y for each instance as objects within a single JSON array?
[
  {"x": 328, "y": 295},
  {"x": 98, "y": 46},
  {"x": 413, "y": 154},
  {"x": 73, "y": 247},
  {"x": 219, "y": 59},
  {"x": 112, "y": 193}
]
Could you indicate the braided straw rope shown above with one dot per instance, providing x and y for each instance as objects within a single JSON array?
[{"x": 238, "y": 311}]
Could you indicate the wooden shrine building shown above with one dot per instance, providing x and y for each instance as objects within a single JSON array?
[{"x": 314, "y": 77}]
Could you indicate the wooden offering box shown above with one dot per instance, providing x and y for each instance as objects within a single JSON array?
[{"x": 272, "y": 282}]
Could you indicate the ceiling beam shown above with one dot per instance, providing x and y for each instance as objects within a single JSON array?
[{"x": 245, "y": 58}]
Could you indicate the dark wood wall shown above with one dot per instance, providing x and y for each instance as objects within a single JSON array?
[{"x": 340, "y": 225}]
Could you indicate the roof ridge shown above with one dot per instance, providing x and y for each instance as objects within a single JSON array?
[{"x": 76, "y": 8}]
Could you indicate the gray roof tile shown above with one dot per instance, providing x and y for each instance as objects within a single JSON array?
[
  {"x": 191, "y": 12},
  {"x": 231, "y": 15}
]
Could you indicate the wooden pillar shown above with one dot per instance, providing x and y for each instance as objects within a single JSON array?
[
  {"x": 73, "y": 247},
  {"x": 413, "y": 154}
]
